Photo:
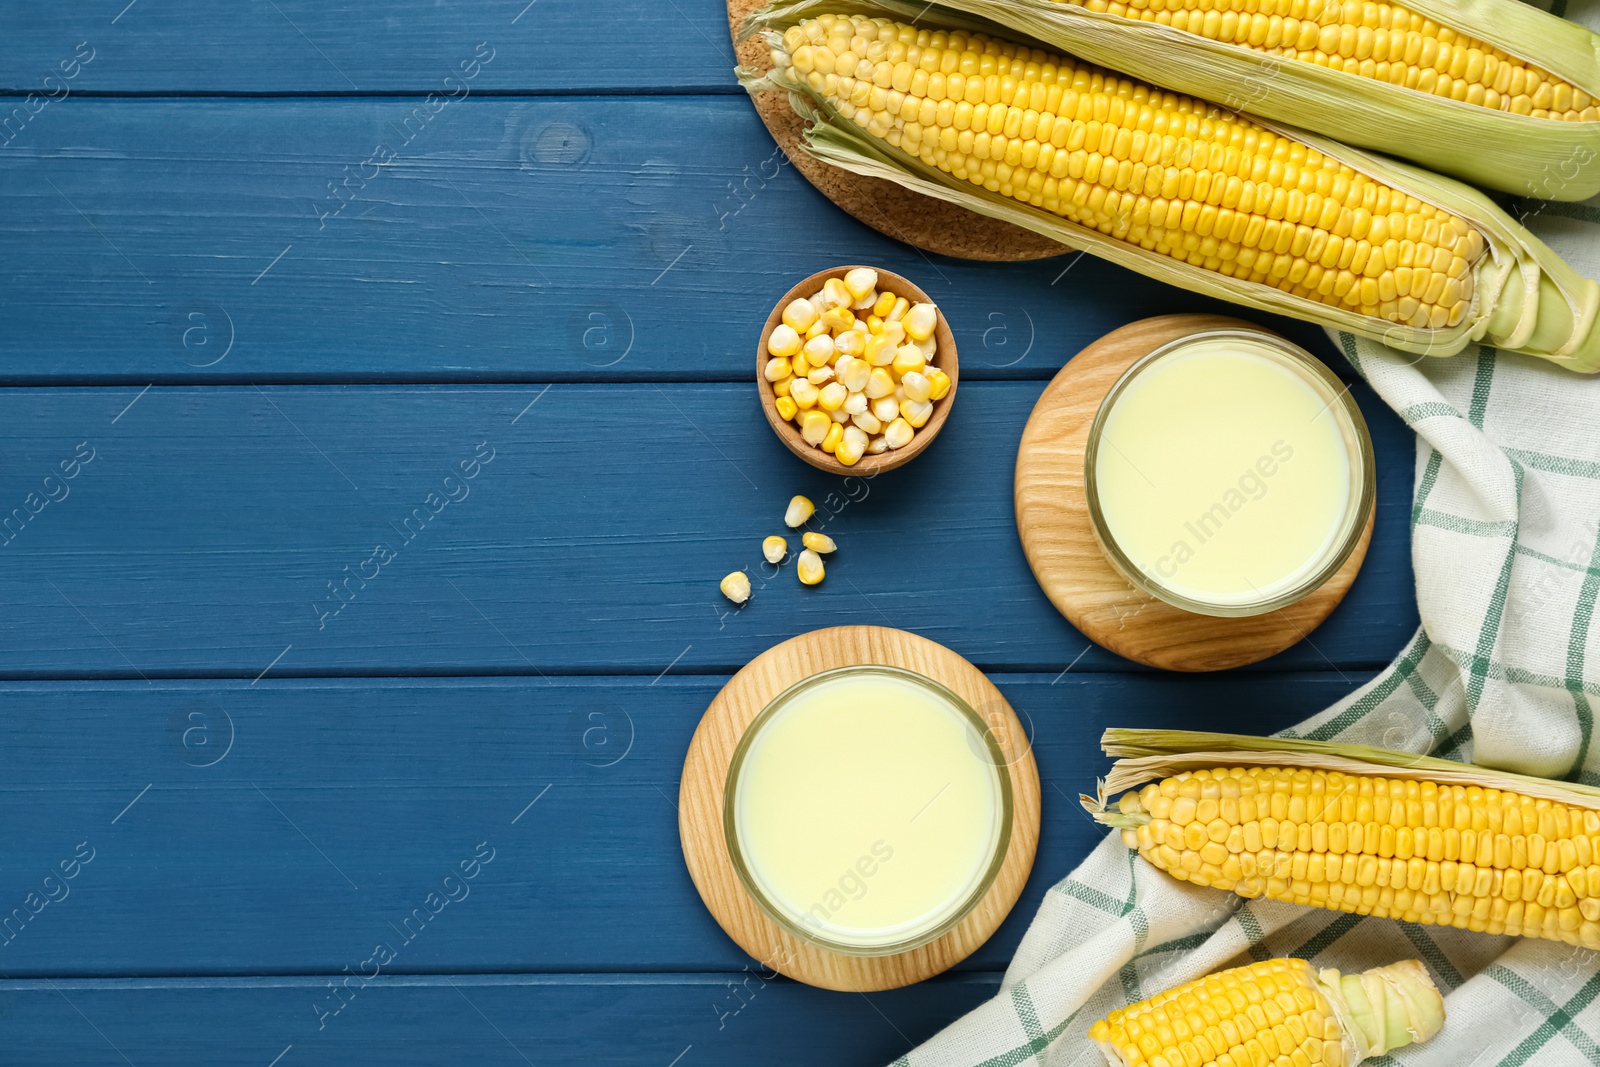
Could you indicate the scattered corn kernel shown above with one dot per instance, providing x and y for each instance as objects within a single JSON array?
[
  {"x": 799, "y": 315},
  {"x": 898, "y": 433},
  {"x": 819, "y": 543},
  {"x": 809, "y": 568},
  {"x": 787, "y": 407},
  {"x": 783, "y": 341},
  {"x": 800, "y": 509},
  {"x": 814, "y": 426},
  {"x": 736, "y": 587},
  {"x": 774, "y": 548}
]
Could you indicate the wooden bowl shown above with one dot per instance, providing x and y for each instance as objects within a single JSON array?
[{"x": 789, "y": 433}]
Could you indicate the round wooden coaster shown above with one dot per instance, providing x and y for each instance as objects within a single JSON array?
[
  {"x": 1057, "y": 538},
  {"x": 921, "y": 221},
  {"x": 705, "y": 772}
]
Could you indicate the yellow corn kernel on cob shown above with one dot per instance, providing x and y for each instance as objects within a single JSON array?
[
  {"x": 1373, "y": 39},
  {"x": 1429, "y": 842},
  {"x": 1495, "y": 92},
  {"x": 1276, "y": 1013},
  {"x": 1186, "y": 192},
  {"x": 1161, "y": 171}
]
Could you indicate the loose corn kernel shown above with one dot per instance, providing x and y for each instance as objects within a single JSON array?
[
  {"x": 799, "y": 315},
  {"x": 736, "y": 587},
  {"x": 920, "y": 321},
  {"x": 915, "y": 383},
  {"x": 835, "y": 294},
  {"x": 800, "y": 509},
  {"x": 804, "y": 393},
  {"x": 774, "y": 548},
  {"x": 786, "y": 408},
  {"x": 831, "y": 398},
  {"x": 783, "y": 340},
  {"x": 898, "y": 433},
  {"x": 861, "y": 282},
  {"x": 809, "y": 568},
  {"x": 908, "y": 359},
  {"x": 814, "y": 426},
  {"x": 831, "y": 439},
  {"x": 819, "y": 543},
  {"x": 777, "y": 367},
  {"x": 819, "y": 350}
]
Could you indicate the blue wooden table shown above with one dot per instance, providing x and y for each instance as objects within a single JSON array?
[{"x": 375, "y": 424}]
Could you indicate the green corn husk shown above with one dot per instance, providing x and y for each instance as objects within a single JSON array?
[
  {"x": 1526, "y": 298},
  {"x": 1548, "y": 158},
  {"x": 1148, "y": 755}
]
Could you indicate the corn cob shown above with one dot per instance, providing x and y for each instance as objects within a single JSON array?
[
  {"x": 1177, "y": 188},
  {"x": 1276, "y": 1013},
  {"x": 1465, "y": 87},
  {"x": 1362, "y": 830}
]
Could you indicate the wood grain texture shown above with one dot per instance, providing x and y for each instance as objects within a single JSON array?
[
  {"x": 921, "y": 221},
  {"x": 644, "y": 242},
  {"x": 610, "y": 1020},
  {"x": 705, "y": 775},
  {"x": 946, "y": 359},
  {"x": 298, "y": 47},
  {"x": 231, "y": 865},
  {"x": 217, "y": 527},
  {"x": 1059, "y": 540}
]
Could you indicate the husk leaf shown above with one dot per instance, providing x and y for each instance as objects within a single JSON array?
[
  {"x": 1526, "y": 298},
  {"x": 1148, "y": 755}
]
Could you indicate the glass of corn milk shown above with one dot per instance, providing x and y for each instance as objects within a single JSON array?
[
  {"x": 1229, "y": 473},
  {"x": 867, "y": 810}
]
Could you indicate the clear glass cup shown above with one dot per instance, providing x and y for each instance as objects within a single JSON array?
[
  {"x": 932, "y": 927},
  {"x": 1352, "y": 430}
]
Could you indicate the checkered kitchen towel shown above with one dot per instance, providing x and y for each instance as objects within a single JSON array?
[{"x": 1505, "y": 671}]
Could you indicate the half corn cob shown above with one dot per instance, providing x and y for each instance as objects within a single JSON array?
[
  {"x": 1495, "y": 92},
  {"x": 1361, "y": 830},
  {"x": 1276, "y": 1013},
  {"x": 1176, "y": 188}
]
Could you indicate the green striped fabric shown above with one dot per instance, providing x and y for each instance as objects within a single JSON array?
[{"x": 1505, "y": 670}]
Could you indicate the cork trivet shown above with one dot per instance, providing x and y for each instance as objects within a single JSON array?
[
  {"x": 920, "y": 221},
  {"x": 1058, "y": 537}
]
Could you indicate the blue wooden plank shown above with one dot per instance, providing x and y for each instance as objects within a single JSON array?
[
  {"x": 503, "y": 1021},
  {"x": 303, "y": 46},
  {"x": 284, "y": 827},
  {"x": 312, "y": 531},
  {"x": 551, "y": 239}
]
